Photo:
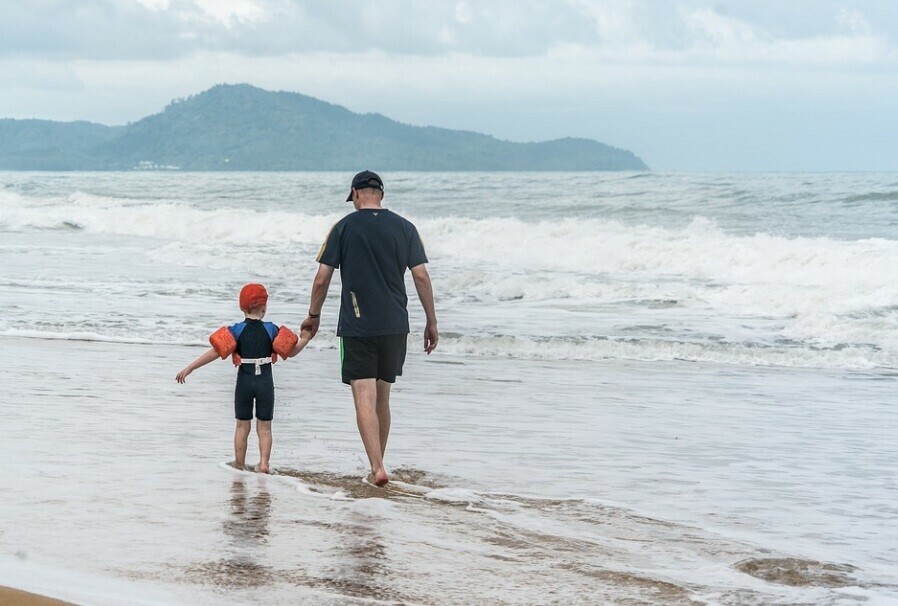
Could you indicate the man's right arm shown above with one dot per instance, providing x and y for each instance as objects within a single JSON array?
[
  {"x": 425, "y": 294},
  {"x": 320, "y": 286}
]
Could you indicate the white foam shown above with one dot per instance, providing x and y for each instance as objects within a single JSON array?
[
  {"x": 84, "y": 336},
  {"x": 454, "y": 495},
  {"x": 663, "y": 350},
  {"x": 588, "y": 246},
  {"x": 166, "y": 221},
  {"x": 835, "y": 300},
  {"x": 301, "y": 487}
]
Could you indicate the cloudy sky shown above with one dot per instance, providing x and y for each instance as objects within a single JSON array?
[{"x": 691, "y": 85}]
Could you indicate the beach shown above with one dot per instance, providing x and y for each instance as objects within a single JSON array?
[
  {"x": 14, "y": 597},
  {"x": 650, "y": 389},
  {"x": 551, "y": 508}
]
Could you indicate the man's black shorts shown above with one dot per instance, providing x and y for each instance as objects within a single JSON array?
[
  {"x": 372, "y": 357},
  {"x": 252, "y": 387}
]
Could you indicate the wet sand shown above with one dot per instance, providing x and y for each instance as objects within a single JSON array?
[
  {"x": 15, "y": 597},
  {"x": 127, "y": 491}
]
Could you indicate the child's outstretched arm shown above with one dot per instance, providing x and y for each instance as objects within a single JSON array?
[
  {"x": 304, "y": 337},
  {"x": 204, "y": 359}
]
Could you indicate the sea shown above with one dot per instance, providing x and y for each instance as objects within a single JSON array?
[{"x": 650, "y": 388}]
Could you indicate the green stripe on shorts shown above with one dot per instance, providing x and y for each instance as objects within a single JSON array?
[{"x": 341, "y": 353}]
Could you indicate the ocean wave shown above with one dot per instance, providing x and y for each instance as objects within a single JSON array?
[
  {"x": 835, "y": 302},
  {"x": 594, "y": 349},
  {"x": 656, "y": 350},
  {"x": 49, "y": 335},
  {"x": 592, "y": 246},
  {"x": 876, "y": 196},
  {"x": 166, "y": 221}
]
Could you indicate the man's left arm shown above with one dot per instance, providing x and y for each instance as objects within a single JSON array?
[{"x": 425, "y": 294}]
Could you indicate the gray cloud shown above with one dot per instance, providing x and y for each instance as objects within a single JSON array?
[
  {"x": 407, "y": 27},
  {"x": 94, "y": 29},
  {"x": 106, "y": 29},
  {"x": 163, "y": 29}
]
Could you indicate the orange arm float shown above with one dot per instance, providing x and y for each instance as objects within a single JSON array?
[
  {"x": 223, "y": 342},
  {"x": 284, "y": 342}
]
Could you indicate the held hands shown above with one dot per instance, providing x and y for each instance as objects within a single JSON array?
[
  {"x": 311, "y": 325},
  {"x": 431, "y": 337}
]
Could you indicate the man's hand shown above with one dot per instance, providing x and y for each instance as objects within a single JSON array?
[
  {"x": 431, "y": 337},
  {"x": 425, "y": 294},
  {"x": 311, "y": 324},
  {"x": 182, "y": 376}
]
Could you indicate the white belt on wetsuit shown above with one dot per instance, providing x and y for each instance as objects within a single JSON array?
[{"x": 257, "y": 361}]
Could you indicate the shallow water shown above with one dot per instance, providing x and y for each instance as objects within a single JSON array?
[{"x": 536, "y": 482}]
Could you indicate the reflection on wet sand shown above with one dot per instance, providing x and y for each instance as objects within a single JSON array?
[
  {"x": 249, "y": 514},
  {"x": 354, "y": 564},
  {"x": 367, "y": 543},
  {"x": 246, "y": 527},
  {"x": 361, "y": 565}
]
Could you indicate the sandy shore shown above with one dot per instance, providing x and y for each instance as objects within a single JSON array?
[
  {"x": 14, "y": 597},
  {"x": 126, "y": 497}
]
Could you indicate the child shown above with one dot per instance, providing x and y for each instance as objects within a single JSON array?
[{"x": 254, "y": 345}]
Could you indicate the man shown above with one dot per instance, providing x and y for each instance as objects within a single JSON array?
[{"x": 373, "y": 247}]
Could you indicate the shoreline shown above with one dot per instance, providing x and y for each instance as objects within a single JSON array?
[
  {"x": 198, "y": 530},
  {"x": 10, "y": 596}
]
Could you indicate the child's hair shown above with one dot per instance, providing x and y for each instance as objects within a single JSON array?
[{"x": 253, "y": 297}]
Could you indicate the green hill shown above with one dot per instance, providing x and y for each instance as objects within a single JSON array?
[
  {"x": 47, "y": 145},
  {"x": 240, "y": 127}
]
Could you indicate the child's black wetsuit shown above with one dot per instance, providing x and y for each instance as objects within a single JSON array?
[{"x": 254, "y": 342}]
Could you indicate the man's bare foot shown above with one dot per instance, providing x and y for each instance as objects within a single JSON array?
[
  {"x": 378, "y": 479},
  {"x": 239, "y": 466},
  {"x": 263, "y": 467}
]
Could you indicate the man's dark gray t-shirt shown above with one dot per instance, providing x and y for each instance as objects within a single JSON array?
[{"x": 372, "y": 248}]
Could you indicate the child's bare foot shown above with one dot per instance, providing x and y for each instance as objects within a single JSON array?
[
  {"x": 263, "y": 467},
  {"x": 378, "y": 478}
]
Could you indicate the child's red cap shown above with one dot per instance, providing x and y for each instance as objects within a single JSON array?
[{"x": 253, "y": 296}]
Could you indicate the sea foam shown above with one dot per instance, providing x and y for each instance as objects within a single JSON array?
[{"x": 769, "y": 298}]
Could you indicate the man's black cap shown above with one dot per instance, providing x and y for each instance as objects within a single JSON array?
[{"x": 364, "y": 179}]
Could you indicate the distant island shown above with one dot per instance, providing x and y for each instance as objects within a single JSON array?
[{"x": 241, "y": 127}]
